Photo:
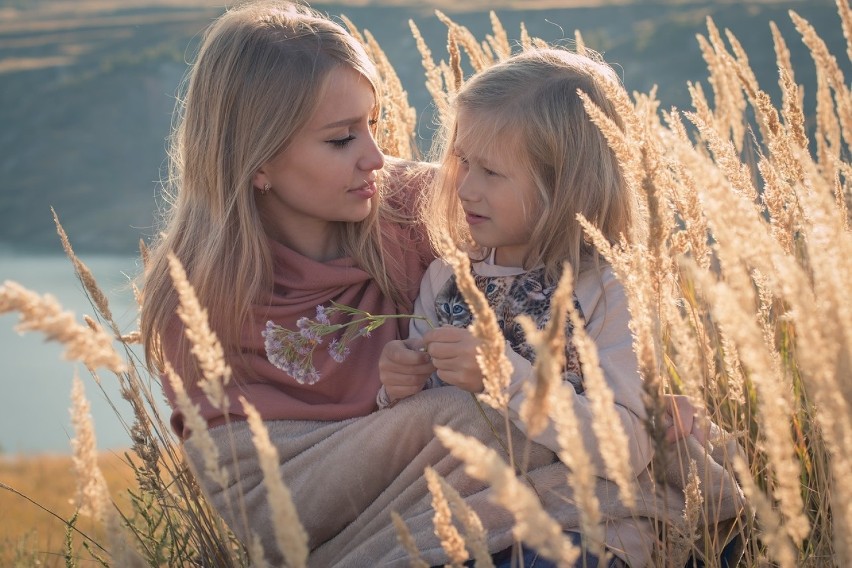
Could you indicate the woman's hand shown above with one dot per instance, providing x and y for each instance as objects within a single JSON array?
[
  {"x": 404, "y": 368},
  {"x": 453, "y": 352}
]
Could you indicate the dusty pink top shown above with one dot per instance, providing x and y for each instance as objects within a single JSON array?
[{"x": 345, "y": 390}]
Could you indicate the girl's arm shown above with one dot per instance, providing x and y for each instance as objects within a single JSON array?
[{"x": 604, "y": 305}]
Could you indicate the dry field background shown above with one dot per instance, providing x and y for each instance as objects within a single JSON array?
[
  {"x": 30, "y": 535},
  {"x": 88, "y": 87}
]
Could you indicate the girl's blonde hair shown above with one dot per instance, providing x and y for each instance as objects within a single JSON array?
[
  {"x": 260, "y": 71},
  {"x": 526, "y": 108}
]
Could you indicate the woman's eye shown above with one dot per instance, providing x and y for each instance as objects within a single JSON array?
[
  {"x": 341, "y": 142},
  {"x": 490, "y": 172},
  {"x": 463, "y": 161}
]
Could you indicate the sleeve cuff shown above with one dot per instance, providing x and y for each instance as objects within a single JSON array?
[{"x": 382, "y": 399}]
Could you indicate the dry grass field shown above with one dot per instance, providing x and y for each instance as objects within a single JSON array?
[{"x": 31, "y": 535}]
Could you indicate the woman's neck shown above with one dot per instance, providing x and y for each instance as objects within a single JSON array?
[{"x": 319, "y": 243}]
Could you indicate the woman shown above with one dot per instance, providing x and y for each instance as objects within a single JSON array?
[{"x": 278, "y": 206}]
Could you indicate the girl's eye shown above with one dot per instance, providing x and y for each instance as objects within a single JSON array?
[
  {"x": 463, "y": 161},
  {"x": 341, "y": 142},
  {"x": 490, "y": 172}
]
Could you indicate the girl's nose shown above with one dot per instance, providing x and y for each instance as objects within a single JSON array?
[{"x": 465, "y": 189}]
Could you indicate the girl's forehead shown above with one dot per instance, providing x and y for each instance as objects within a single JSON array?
[{"x": 486, "y": 135}]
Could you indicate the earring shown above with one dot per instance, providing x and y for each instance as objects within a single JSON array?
[{"x": 266, "y": 189}]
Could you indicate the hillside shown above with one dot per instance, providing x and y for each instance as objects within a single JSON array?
[{"x": 88, "y": 87}]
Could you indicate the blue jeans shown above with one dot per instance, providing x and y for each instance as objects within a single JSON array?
[
  {"x": 508, "y": 558},
  {"x": 729, "y": 557}
]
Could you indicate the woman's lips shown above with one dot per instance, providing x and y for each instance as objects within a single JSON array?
[{"x": 366, "y": 191}]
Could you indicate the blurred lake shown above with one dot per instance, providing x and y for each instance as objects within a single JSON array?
[{"x": 35, "y": 380}]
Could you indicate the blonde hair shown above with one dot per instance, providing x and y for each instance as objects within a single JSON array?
[
  {"x": 527, "y": 108},
  {"x": 259, "y": 73}
]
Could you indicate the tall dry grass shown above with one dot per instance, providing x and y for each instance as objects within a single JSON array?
[{"x": 736, "y": 283}]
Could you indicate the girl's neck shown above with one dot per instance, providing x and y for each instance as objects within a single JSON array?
[{"x": 509, "y": 258}]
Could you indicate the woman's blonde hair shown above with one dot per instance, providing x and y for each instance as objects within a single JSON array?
[
  {"x": 526, "y": 108},
  {"x": 257, "y": 78}
]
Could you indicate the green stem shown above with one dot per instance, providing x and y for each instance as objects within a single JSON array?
[{"x": 371, "y": 318}]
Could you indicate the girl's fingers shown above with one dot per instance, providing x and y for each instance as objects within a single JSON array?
[
  {"x": 398, "y": 355},
  {"x": 441, "y": 350},
  {"x": 471, "y": 382},
  {"x": 680, "y": 418},
  {"x": 396, "y": 393},
  {"x": 455, "y": 343},
  {"x": 445, "y": 334},
  {"x": 415, "y": 344}
]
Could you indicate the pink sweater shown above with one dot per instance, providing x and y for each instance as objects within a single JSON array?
[{"x": 345, "y": 390}]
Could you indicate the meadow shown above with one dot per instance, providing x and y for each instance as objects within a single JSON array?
[{"x": 736, "y": 279}]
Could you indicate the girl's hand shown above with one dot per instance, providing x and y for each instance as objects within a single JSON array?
[
  {"x": 453, "y": 352},
  {"x": 683, "y": 419},
  {"x": 404, "y": 368}
]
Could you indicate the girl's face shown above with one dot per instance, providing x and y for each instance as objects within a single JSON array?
[
  {"x": 499, "y": 199},
  {"x": 327, "y": 173}
]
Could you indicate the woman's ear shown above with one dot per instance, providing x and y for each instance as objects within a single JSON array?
[{"x": 260, "y": 180}]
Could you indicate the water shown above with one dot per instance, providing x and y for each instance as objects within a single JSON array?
[{"x": 35, "y": 381}]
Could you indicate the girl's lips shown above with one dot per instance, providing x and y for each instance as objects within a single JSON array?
[
  {"x": 366, "y": 191},
  {"x": 473, "y": 219}
]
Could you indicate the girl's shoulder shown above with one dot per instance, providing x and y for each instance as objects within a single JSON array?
[
  {"x": 439, "y": 270},
  {"x": 598, "y": 288},
  {"x": 598, "y": 268}
]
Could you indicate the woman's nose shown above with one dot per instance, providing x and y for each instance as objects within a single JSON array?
[{"x": 373, "y": 159}]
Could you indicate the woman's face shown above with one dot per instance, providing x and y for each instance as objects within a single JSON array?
[{"x": 328, "y": 172}]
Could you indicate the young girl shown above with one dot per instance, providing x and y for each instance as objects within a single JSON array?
[{"x": 521, "y": 161}]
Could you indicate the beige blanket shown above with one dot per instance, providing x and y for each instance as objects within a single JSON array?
[{"x": 346, "y": 478}]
